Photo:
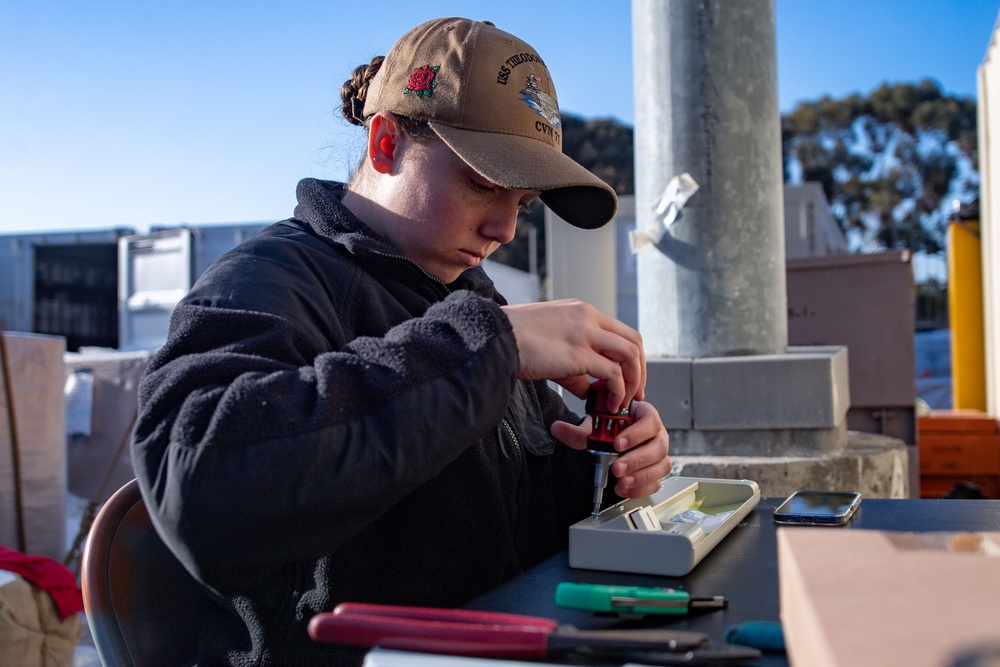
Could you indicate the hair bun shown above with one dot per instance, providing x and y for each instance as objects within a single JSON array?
[{"x": 355, "y": 90}]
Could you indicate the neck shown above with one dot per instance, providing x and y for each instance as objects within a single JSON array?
[{"x": 360, "y": 201}]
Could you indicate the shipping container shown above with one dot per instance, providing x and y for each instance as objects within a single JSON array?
[
  {"x": 157, "y": 269},
  {"x": 117, "y": 288},
  {"x": 63, "y": 284},
  {"x": 106, "y": 288}
]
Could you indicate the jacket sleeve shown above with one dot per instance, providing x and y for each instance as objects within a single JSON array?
[{"x": 254, "y": 447}]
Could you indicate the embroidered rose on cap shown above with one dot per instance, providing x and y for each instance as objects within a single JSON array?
[{"x": 422, "y": 81}]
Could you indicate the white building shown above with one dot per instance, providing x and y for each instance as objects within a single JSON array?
[{"x": 989, "y": 209}]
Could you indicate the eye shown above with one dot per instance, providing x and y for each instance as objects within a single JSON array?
[
  {"x": 480, "y": 186},
  {"x": 527, "y": 203}
]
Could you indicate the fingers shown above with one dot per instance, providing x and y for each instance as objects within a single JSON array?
[
  {"x": 635, "y": 477},
  {"x": 578, "y": 385},
  {"x": 626, "y": 347},
  {"x": 568, "y": 340},
  {"x": 622, "y": 364},
  {"x": 645, "y": 447}
]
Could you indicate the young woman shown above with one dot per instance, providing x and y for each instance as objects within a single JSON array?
[{"x": 347, "y": 410}]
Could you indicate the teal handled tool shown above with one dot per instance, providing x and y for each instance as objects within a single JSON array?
[
  {"x": 762, "y": 635},
  {"x": 632, "y": 599}
]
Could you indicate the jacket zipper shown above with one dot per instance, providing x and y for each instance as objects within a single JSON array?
[
  {"x": 389, "y": 255},
  {"x": 513, "y": 436}
]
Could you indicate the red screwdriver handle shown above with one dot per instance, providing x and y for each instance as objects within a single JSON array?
[{"x": 606, "y": 425}]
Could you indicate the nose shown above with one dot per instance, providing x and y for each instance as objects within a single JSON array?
[{"x": 501, "y": 224}]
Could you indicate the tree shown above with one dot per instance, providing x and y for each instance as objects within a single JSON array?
[{"x": 889, "y": 163}]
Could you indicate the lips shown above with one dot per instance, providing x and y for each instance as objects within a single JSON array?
[{"x": 473, "y": 258}]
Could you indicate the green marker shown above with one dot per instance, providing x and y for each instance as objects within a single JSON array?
[{"x": 631, "y": 599}]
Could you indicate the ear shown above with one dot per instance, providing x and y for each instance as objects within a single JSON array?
[{"x": 382, "y": 143}]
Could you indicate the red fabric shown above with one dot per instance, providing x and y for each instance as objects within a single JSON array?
[{"x": 47, "y": 574}]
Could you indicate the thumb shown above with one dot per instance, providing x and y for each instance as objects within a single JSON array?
[{"x": 573, "y": 436}]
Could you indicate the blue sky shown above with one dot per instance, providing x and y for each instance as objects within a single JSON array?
[{"x": 132, "y": 114}]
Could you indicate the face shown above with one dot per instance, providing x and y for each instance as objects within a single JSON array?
[{"x": 442, "y": 214}]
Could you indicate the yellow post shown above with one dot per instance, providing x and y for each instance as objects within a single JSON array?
[{"x": 965, "y": 315}]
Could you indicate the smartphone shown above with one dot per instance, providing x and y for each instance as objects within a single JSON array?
[{"x": 821, "y": 508}]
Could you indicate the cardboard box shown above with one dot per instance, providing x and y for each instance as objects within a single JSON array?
[
  {"x": 35, "y": 366},
  {"x": 853, "y": 598},
  {"x": 100, "y": 461}
]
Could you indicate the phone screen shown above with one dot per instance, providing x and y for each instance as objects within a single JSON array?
[{"x": 818, "y": 507}]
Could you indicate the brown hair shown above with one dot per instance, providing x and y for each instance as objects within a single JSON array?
[{"x": 354, "y": 92}]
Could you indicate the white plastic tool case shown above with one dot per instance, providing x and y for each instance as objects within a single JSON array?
[{"x": 667, "y": 533}]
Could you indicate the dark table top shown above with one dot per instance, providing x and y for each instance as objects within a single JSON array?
[{"x": 743, "y": 567}]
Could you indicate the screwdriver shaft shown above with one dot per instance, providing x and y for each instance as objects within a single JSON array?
[{"x": 603, "y": 465}]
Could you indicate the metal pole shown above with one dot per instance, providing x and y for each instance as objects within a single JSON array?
[{"x": 706, "y": 104}]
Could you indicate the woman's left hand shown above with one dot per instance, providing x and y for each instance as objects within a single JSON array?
[{"x": 643, "y": 450}]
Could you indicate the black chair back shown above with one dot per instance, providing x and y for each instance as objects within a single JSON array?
[{"x": 141, "y": 604}]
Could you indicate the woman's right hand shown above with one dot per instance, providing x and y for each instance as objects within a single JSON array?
[{"x": 568, "y": 340}]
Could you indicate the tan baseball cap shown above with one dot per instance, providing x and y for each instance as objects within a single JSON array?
[{"x": 488, "y": 95}]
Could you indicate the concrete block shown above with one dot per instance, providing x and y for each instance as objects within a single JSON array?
[
  {"x": 759, "y": 442},
  {"x": 668, "y": 387},
  {"x": 874, "y": 465},
  {"x": 807, "y": 388}
]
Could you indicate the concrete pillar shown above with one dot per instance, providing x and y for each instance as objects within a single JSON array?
[
  {"x": 706, "y": 103},
  {"x": 712, "y": 303}
]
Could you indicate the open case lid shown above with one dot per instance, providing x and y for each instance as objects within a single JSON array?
[{"x": 666, "y": 533}]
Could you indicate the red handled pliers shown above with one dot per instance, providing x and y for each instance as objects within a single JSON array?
[{"x": 500, "y": 635}]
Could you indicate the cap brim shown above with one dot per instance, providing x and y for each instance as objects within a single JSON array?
[{"x": 572, "y": 192}]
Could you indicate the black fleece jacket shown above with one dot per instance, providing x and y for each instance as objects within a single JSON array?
[{"x": 327, "y": 422}]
